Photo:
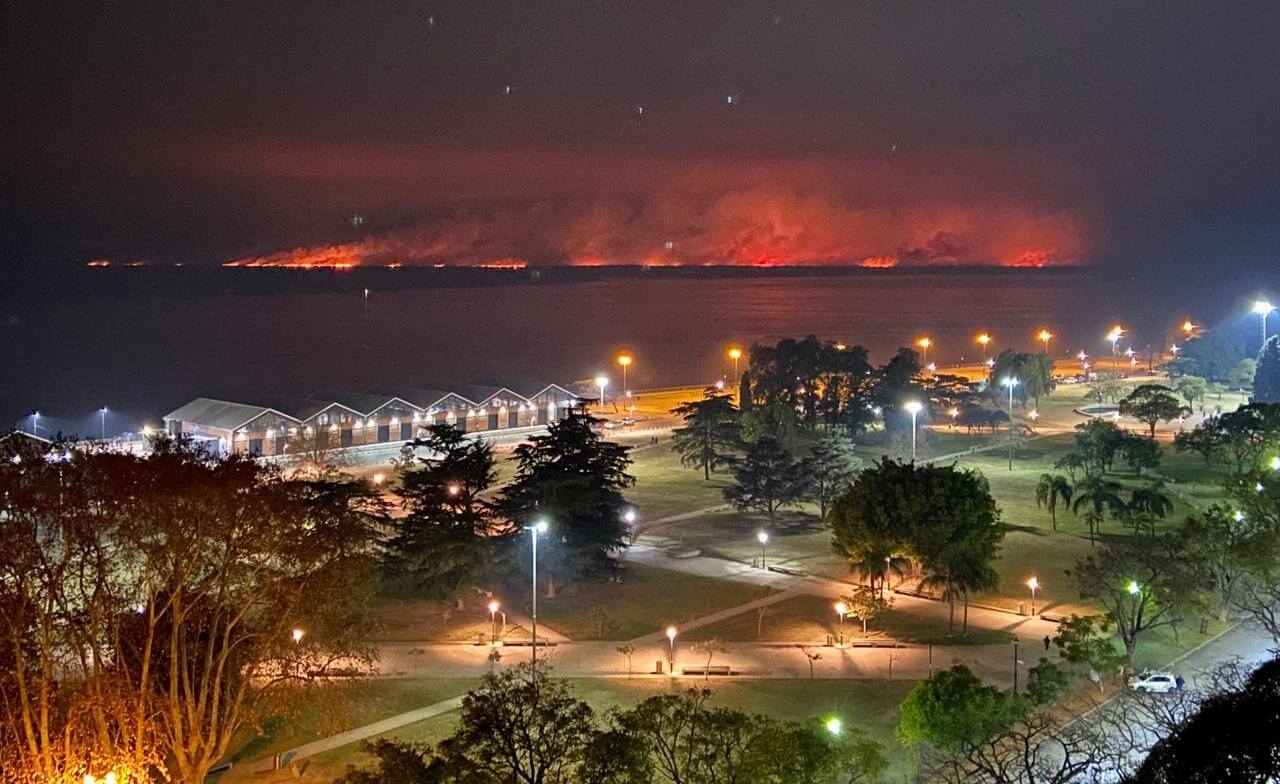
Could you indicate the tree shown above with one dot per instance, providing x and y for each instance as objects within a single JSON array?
[
  {"x": 573, "y": 479},
  {"x": 1097, "y": 496},
  {"x": 521, "y": 726},
  {"x": 1033, "y": 371},
  {"x": 828, "y": 470},
  {"x": 1192, "y": 388},
  {"x": 627, "y": 652},
  {"x": 1241, "y": 437},
  {"x": 1139, "y": 453},
  {"x": 1152, "y": 404},
  {"x": 1087, "y": 640},
  {"x": 602, "y": 619},
  {"x": 1212, "y": 355},
  {"x": 1266, "y": 379},
  {"x": 1143, "y": 584},
  {"x": 1243, "y": 373},
  {"x": 450, "y": 537},
  {"x": 963, "y": 566},
  {"x": 1148, "y": 504},
  {"x": 1108, "y": 387},
  {"x": 1228, "y": 546},
  {"x": 709, "y": 648},
  {"x": 1045, "y": 682},
  {"x": 1049, "y": 490},
  {"x": 1096, "y": 442},
  {"x": 866, "y": 605},
  {"x": 150, "y": 602},
  {"x": 710, "y": 435},
  {"x": 766, "y": 479},
  {"x": 952, "y": 708},
  {"x": 1233, "y": 737}
]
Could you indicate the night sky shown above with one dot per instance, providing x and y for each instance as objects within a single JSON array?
[{"x": 1126, "y": 135}]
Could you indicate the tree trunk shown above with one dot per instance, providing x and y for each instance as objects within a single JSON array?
[
  {"x": 1053, "y": 515},
  {"x": 964, "y": 629},
  {"x": 951, "y": 615}
]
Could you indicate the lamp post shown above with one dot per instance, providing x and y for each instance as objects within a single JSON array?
[
  {"x": 735, "y": 354},
  {"x": 984, "y": 340},
  {"x": 1010, "y": 382},
  {"x": 1263, "y": 309},
  {"x": 602, "y": 382},
  {"x": 539, "y": 527},
  {"x": 35, "y": 423},
  {"x": 103, "y": 412},
  {"x": 1015, "y": 665},
  {"x": 1033, "y": 584},
  {"x": 1114, "y": 336},
  {"x": 624, "y": 360},
  {"x": 763, "y": 538},
  {"x": 914, "y": 407},
  {"x": 842, "y": 610},
  {"x": 924, "y": 344},
  {"x": 493, "y": 622},
  {"x": 1044, "y": 337},
  {"x": 298, "y": 634},
  {"x": 671, "y": 649}
]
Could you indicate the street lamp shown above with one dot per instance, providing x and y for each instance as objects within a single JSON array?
[
  {"x": 1114, "y": 336},
  {"x": 842, "y": 610},
  {"x": 984, "y": 340},
  {"x": 493, "y": 621},
  {"x": 1263, "y": 308},
  {"x": 539, "y": 527},
  {"x": 1033, "y": 584},
  {"x": 671, "y": 649},
  {"x": 924, "y": 344},
  {"x": 103, "y": 412},
  {"x": 625, "y": 361},
  {"x": 1134, "y": 588},
  {"x": 833, "y": 725},
  {"x": 602, "y": 382},
  {"x": 1275, "y": 464},
  {"x": 1044, "y": 337},
  {"x": 914, "y": 407},
  {"x": 35, "y": 423},
  {"x": 735, "y": 354},
  {"x": 1010, "y": 382},
  {"x": 763, "y": 538},
  {"x": 298, "y": 635}
]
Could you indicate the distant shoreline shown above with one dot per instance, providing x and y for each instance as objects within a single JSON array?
[{"x": 204, "y": 281}]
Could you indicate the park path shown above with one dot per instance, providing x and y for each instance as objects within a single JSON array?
[
  {"x": 358, "y": 734},
  {"x": 720, "y": 615}
]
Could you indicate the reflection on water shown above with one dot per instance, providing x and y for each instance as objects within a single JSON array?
[{"x": 145, "y": 356}]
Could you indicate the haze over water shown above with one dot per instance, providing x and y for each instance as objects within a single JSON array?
[{"x": 142, "y": 356}]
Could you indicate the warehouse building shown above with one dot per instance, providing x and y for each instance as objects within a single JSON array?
[{"x": 275, "y": 427}]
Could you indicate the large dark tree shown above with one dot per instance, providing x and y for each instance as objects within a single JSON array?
[
  {"x": 1211, "y": 356},
  {"x": 895, "y": 383},
  {"x": 711, "y": 434},
  {"x": 1266, "y": 379},
  {"x": 450, "y": 536},
  {"x": 1033, "y": 371},
  {"x": 1152, "y": 404},
  {"x": 828, "y": 471},
  {"x": 766, "y": 479},
  {"x": 573, "y": 479}
]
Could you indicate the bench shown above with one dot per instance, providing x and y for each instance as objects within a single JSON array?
[
  {"x": 719, "y": 669},
  {"x": 785, "y": 570},
  {"x": 875, "y": 644}
]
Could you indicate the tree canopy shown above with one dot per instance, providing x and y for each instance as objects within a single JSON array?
[
  {"x": 711, "y": 434},
  {"x": 1266, "y": 379},
  {"x": 1152, "y": 404}
]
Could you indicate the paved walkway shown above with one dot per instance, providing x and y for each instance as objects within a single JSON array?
[{"x": 721, "y": 615}]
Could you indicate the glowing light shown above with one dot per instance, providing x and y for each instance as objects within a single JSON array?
[
  {"x": 1239, "y": 516},
  {"x": 671, "y": 632},
  {"x": 735, "y": 353},
  {"x": 379, "y": 479},
  {"x": 913, "y": 406},
  {"x": 1188, "y": 327},
  {"x": 1033, "y": 583},
  {"x": 842, "y": 609},
  {"x": 762, "y": 537},
  {"x": 1134, "y": 590},
  {"x": 834, "y": 725},
  {"x": 1263, "y": 308},
  {"x": 298, "y": 635},
  {"x": 984, "y": 339},
  {"x": 493, "y": 607},
  {"x": 624, "y": 360},
  {"x": 540, "y": 526}
]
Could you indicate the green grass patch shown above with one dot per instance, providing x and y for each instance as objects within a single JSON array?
[{"x": 647, "y": 599}]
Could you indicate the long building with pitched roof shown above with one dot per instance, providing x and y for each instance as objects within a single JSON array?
[{"x": 276, "y": 426}]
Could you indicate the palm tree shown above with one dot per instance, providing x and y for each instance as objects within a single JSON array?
[
  {"x": 1148, "y": 504},
  {"x": 1097, "y": 495},
  {"x": 972, "y": 575},
  {"x": 1051, "y": 488}
]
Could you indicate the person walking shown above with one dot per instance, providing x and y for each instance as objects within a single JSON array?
[{"x": 1047, "y": 642}]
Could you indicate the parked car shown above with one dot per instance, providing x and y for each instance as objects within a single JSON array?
[
  {"x": 628, "y": 421},
  {"x": 1154, "y": 681},
  {"x": 610, "y": 425}
]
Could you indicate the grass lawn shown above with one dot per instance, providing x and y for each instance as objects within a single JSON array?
[
  {"x": 869, "y": 705},
  {"x": 647, "y": 599},
  {"x": 664, "y": 487}
]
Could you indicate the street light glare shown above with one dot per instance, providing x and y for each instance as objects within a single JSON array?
[
  {"x": 601, "y": 381},
  {"x": 540, "y": 526},
  {"x": 1009, "y": 381},
  {"x": 842, "y": 608},
  {"x": 1262, "y": 307},
  {"x": 833, "y": 726},
  {"x": 624, "y": 360},
  {"x": 493, "y": 607},
  {"x": 1033, "y": 583},
  {"x": 924, "y": 342},
  {"x": 984, "y": 338},
  {"x": 762, "y": 537},
  {"x": 671, "y": 632},
  {"x": 1275, "y": 464},
  {"x": 1133, "y": 587},
  {"x": 735, "y": 353},
  {"x": 913, "y": 406}
]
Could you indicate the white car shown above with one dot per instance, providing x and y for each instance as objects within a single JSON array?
[{"x": 1154, "y": 681}]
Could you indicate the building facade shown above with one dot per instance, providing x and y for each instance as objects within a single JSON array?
[{"x": 332, "y": 419}]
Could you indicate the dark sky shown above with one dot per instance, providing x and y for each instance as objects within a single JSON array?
[{"x": 1135, "y": 135}]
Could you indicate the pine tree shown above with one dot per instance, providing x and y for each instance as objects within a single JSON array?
[
  {"x": 1266, "y": 379},
  {"x": 765, "y": 479},
  {"x": 710, "y": 435},
  {"x": 828, "y": 470},
  {"x": 573, "y": 479}
]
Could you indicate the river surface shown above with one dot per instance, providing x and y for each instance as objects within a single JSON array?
[{"x": 142, "y": 356}]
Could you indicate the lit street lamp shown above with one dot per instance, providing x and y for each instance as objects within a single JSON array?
[
  {"x": 984, "y": 340},
  {"x": 298, "y": 635},
  {"x": 914, "y": 407},
  {"x": 602, "y": 382},
  {"x": 763, "y": 539},
  {"x": 35, "y": 423},
  {"x": 493, "y": 622},
  {"x": 735, "y": 354},
  {"x": 671, "y": 649},
  {"x": 1114, "y": 336},
  {"x": 1044, "y": 337},
  {"x": 1010, "y": 382},
  {"x": 103, "y": 412},
  {"x": 625, "y": 361},
  {"x": 539, "y": 527},
  {"x": 924, "y": 344},
  {"x": 1263, "y": 308},
  {"x": 1033, "y": 584},
  {"x": 842, "y": 610},
  {"x": 833, "y": 725}
]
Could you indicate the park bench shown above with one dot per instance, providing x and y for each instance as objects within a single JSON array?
[
  {"x": 875, "y": 644},
  {"x": 719, "y": 669},
  {"x": 916, "y": 594},
  {"x": 785, "y": 570}
]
